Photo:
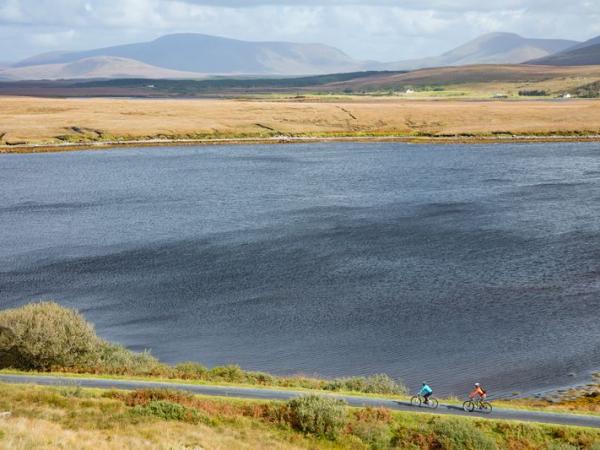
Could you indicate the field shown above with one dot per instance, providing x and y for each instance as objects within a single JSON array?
[
  {"x": 465, "y": 82},
  {"x": 71, "y": 417},
  {"x": 478, "y": 82},
  {"x": 25, "y": 120}
]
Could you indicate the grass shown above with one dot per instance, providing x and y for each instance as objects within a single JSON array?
[
  {"x": 47, "y": 418},
  {"x": 84, "y": 121}
]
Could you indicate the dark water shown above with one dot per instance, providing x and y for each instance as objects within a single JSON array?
[{"x": 450, "y": 264}]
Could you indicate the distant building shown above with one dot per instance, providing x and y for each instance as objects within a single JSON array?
[
  {"x": 409, "y": 91},
  {"x": 567, "y": 95},
  {"x": 500, "y": 95}
]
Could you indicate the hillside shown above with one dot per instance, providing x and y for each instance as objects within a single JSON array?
[
  {"x": 216, "y": 55},
  {"x": 492, "y": 48},
  {"x": 93, "y": 67},
  {"x": 584, "y": 54},
  {"x": 485, "y": 79}
]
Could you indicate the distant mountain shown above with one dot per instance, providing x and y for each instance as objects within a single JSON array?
[
  {"x": 492, "y": 48},
  {"x": 584, "y": 54},
  {"x": 216, "y": 55},
  {"x": 93, "y": 67},
  {"x": 198, "y": 55}
]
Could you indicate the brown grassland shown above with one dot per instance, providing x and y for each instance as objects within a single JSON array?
[
  {"x": 25, "y": 120},
  {"x": 481, "y": 79}
]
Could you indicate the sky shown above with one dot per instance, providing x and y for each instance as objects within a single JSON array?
[{"x": 385, "y": 30}]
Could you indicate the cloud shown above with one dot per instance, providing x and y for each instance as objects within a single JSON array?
[
  {"x": 50, "y": 40},
  {"x": 367, "y": 29}
]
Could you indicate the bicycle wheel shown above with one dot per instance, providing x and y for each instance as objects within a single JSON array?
[
  {"x": 415, "y": 401},
  {"x": 433, "y": 403},
  {"x": 486, "y": 407},
  {"x": 469, "y": 406}
]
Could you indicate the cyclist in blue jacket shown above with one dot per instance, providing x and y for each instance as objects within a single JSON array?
[{"x": 426, "y": 392}]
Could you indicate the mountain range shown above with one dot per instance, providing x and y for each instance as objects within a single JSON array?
[
  {"x": 199, "y": 56},
  {"x": 491, "y": 48},
  {"x": 584, "y": 54}
]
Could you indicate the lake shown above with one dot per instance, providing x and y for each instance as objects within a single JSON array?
[{"x": 441, "y": 263}]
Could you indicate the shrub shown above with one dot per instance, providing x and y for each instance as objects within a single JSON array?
[
  {"x": 46, "y": 334},
  {"x": 321, "y": 416},
  {"x": 190, "y": 371},
  {"x": 116, "y": 359},
  {"x": 375, "y": 384},
  {"x": 232, "y": 373},
  {"x": 260, "y": 378},
  {"x": 532, "y": 93},
  {"x": 462, "y": 435},
  {"x": 372, "y": 426},
  {"x": 377, "y": 435},
  {"x": 591, "y": 90},
  {"x": 145, "y": 396},
  {"x": 167, "y": 411}
]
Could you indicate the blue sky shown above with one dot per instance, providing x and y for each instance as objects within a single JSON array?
[{"x": 375, "y": 29}]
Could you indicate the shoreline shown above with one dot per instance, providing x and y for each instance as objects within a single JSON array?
[{"x": 447, "y": 140}]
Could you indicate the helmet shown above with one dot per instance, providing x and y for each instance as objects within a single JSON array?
[
  {"x": 424, "y": 383},
  {"x": 476, "y": 384}
]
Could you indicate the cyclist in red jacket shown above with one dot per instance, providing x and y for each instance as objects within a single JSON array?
[{"x": 478, "y": 391}]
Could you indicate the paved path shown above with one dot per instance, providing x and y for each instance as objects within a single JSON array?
[{"x": 271, "y": 394}]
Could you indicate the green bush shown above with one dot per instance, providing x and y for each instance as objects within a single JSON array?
[
  {"x": 167, "y": 411},
  {"x": 375, "y": 384},
  {"x": 532, "y": 93},
  {"x": 190, "y": 371},
  {"x": 45, "y": 335},
  {"x": 321, "y": 416},
  {"x": 117, "y": 360},
  {"x": 377, "y": 435},
  {"x": 232, "y": 373},
  {"x": 462, "y": 435},
  {"x": 260, "y": 378}
]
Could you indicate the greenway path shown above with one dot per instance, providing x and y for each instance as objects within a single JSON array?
[{"x": 273, "y": 394}]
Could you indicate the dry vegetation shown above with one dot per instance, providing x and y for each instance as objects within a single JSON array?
[
  {"x": 479, "y": 80},
  {"x": 49, "y": 418},
  {"x": 54, "y": 121}
]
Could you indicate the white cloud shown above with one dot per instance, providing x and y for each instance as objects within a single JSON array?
[
  {"x": 368, "y": 29},
  {"x": 52, "y": 40}
]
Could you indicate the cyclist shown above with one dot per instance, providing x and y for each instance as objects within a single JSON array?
[
  {"x": 478, "y": 391},
  {"x": 426, "y": 392}
]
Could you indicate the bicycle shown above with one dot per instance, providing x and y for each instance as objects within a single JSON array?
[
  {"x": 419, "y": 401},
  {"x": 479, "y": 404}
]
